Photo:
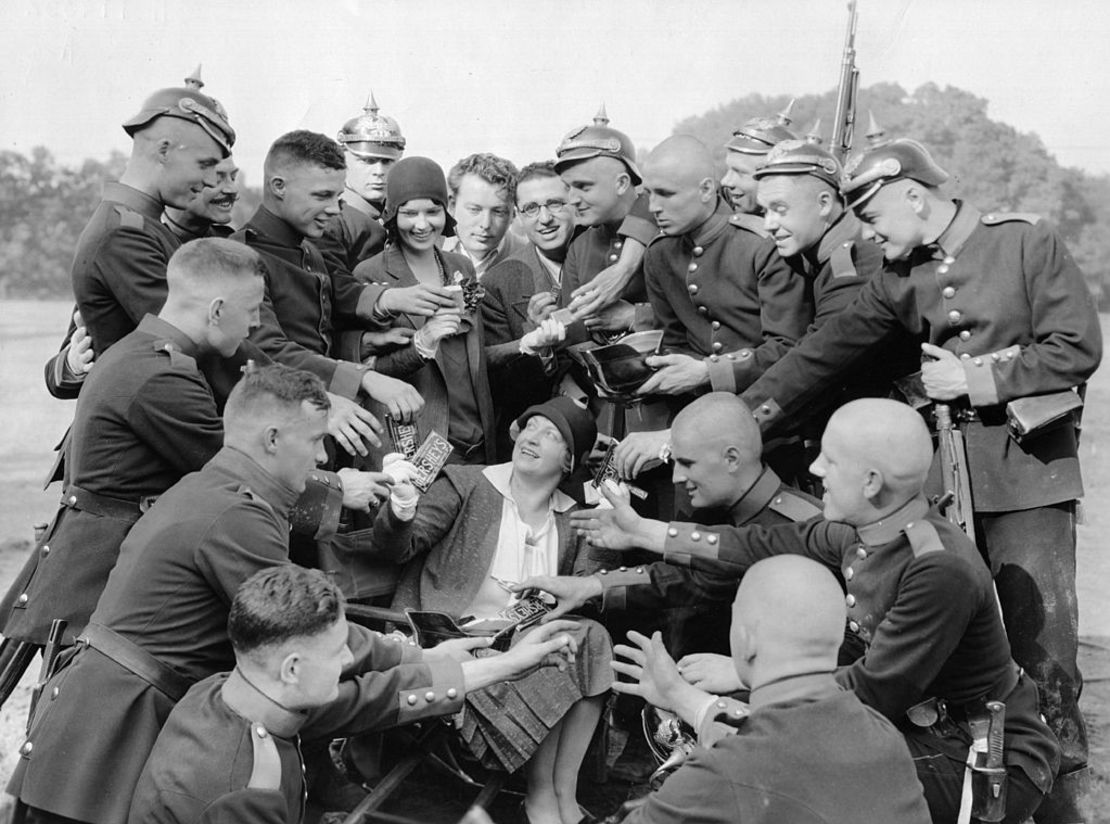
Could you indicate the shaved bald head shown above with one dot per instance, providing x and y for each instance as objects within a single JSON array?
[
  {"x": 875, "y": 456},
  {"x": 717, "y": 448},
  {"x": 680, "y": 179},
  {"x": 787, "y": 619},
  {"x": 720, "y": 418},
  {"x": 687, "y": 156}
]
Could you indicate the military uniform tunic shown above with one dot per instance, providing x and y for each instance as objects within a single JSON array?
[
  {"x": 768, "y": 502},
  {"x": 210, "y": 764},
  {"x": 724, "y": 294},
  {"x": 147, "y": 417},
  {"x": 817, "y": 760},
  {"x": 922, "y": 608},
  {"x": 166, "y": 606},
  {"x": 1005, "y": 296},
  {"x": 597, "y": 248},
  {"x": 303, "y": 301},
  {"x": 1002, "y": 293},
  {"x": 119, "y": 267}
]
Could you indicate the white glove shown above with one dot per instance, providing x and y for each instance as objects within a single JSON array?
[
  {"x": 547, "y": 334},
  {"x": 403, "y": 496}
]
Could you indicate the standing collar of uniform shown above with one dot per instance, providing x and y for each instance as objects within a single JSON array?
[
  {"x": 154, "y": 325},
  {"x": 845, "y": 229},
  {"x": 275, "y": 228},
  {"x": 811, "y": 686},
  {"x": 500, "y": 476},
  {"x": 132, "y": 198},
  {"x": 359, "y": 203},
  {"x": 955, "y": 235},
  {"x": 886, "y": 530},
  {"x": 713, "y": 227},
  {"x": 242, "y": 466},
  {"x": 245, "y": 700},
  {"x": 755, "y": 500}
]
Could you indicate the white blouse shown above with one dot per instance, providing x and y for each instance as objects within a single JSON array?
[{"x": 521, "y": 551}]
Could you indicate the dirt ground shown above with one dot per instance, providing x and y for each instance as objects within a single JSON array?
[{"x": 31, "y": 423}]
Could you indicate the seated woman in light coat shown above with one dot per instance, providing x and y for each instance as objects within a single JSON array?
[{"x": 477, "y": 531}]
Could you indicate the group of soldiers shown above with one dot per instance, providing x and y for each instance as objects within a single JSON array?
[{"x": 236, "y": 392}]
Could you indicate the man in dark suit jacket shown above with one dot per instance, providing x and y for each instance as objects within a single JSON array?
[{"x": 521, "y": 376}]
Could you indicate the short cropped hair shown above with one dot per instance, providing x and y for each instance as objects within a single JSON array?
[
  {"x": 304, "y": 147},
  {"x": 539, "y": 170},
  {"x": 275, "y": 383},
  {"x": 496, "y": 171},
  {"x": 278, "y": 604},
  {"x": 209, "y": 259}
]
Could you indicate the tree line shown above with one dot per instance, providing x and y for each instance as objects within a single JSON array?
[{"x": 44, "y": 205}]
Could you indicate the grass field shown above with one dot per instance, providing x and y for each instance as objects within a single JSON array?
[{"x": 31, "y": 423}]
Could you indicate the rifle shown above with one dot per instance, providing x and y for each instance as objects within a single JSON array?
[
  {"x": 953, "y": 472},
  {"x": 49, "y": 658},
  {"x": 844, "y": 120}
]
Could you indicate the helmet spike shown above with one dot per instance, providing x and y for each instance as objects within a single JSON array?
[
  {"x": 814, "y": 134},
  {"x": 785, "y": 117},
  {"x": 875, "y": 132},
  {"x": 371, "y": 106},
  {"x": 602, "y": 117},
  {"x": 193, "y": 81}
]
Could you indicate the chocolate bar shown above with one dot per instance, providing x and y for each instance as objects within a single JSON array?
[
  {"x": 565, "y": 316},
  {"x": 429, "y": 459},
  {"x": 403, "y": 435}
]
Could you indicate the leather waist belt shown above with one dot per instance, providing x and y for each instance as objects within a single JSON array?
[
  {"x": 137, "y": 660},
  {"x": 928, "y": 712},
  {"x": 78, "y": 498}
]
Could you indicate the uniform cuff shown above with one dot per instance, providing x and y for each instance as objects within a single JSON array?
[
  {"x": 444, "y": 694},
  {"x": 982, "y": 388},
  {"x": 767, "y": 413},
  {"x": 732, "y": 372},
  {"x": 347, "y": 380},
  {"x": 615, "y": 584},
  {"x": 690, "y": 541}
]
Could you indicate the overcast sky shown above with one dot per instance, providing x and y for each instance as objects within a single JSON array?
[{"x": 512, "y": 77}]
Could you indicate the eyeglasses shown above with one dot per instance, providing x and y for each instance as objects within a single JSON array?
[{"x": 532, "y": 210}]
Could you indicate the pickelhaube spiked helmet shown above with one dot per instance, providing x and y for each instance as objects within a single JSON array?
[
  {"x": 186, "y": 103},
  {"x": 800, "y": 157},
  {"x": 597, "y": 140},
  {"x": 372, "y": 134},
  {"x": 758, "y": 135},
  {"x": 886, "y": 161}
]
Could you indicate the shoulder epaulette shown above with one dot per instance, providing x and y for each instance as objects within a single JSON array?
[
  {"x": 923, "y": 538},
  {"x": 178, "y": 359},
  {"x": 841, "y": 261},
  {"x": 994, "y": 218},
  {"x": 266, "y": 773},
  {"x": 129, "y": 218},
  {"x": 751, "y": 223},
  {"x": 793, "y": 506},
  {"x": 249, "y": 493}
]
